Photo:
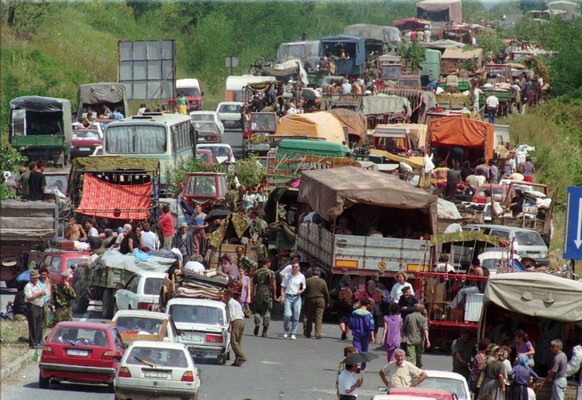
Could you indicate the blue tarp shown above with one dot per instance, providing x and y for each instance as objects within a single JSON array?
[{"x": 352, "y": 43}]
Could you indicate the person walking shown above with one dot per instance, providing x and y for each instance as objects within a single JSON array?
[
  {"x": 401, "y": 373},
  {"x": 61, "y": 300},
  {"x": 407, "y": 302},
  {"x": 392, "y": 331},
  {"x": 492, "y": 103},
  {"x": 462, "y": 350},
  {"x": 182, "y": 103},
  {"x": 316, "y": 298},
  {"x": 415, "y": 335},
  {"x": 236, "y": 326},
  {"x": 34, "y": 296},
  {"x": 292, "y": 287},
  {"x": 263, "y": 292},
  {"x": 557, "y": 374},
  {"x": 362, "y": 326},
  {"x": 344, "y": 304}
]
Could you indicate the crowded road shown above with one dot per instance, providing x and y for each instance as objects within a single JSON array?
[{"x": 277, "y": 368}]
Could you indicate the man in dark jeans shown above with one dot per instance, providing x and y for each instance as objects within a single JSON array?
[{"x": 35, "y": 299}]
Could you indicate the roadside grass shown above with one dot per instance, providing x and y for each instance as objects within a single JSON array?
[{"x": 14, "y": 336}]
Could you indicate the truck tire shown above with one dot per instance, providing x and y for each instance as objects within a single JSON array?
[
  {"x": 107, "y": 304},
  {"x": 80, "y": 303}
]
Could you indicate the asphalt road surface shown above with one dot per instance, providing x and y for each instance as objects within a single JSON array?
[{"x": 277, "y": 369}]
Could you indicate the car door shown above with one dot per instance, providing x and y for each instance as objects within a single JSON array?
[{"x": 123, "y": 296}]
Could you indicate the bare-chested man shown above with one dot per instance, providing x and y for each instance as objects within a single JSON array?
[{"x": 74, "y": 231}]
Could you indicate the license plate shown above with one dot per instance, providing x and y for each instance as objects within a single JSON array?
[
  {"x": 156, "y": 374},
  {"x": 195, "y": 338},
  {"x": 78, "y": 353},
  {"x": 85, "y": 148}
]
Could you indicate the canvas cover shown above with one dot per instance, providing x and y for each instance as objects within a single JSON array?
[
  {"x": 536, "y": 294},
  {"x": 383, "y": 104},
  {"x": 95, "y": 93},
  {"x": 444, "y": 44},
  {"x": 462, "y": 54},
  {"x": 114, "y": 163},
  {"x": 453, "y": 7},
  {"x": 410, "y": 23},
  {"x": 114, "y": 201},
  {"x": 355, "y": 122},
  {"x": 462, "y": 132},
  {"x": 319, "y": 125},
  {"x": 27, "y": 220},
  {"x": 298, "y": 50},
  {"x": 330, "y": 191},
  {"x": 384, "y": 34},
  {"x": 358, "y": 41},
  {"x": 38, "y": 104}
]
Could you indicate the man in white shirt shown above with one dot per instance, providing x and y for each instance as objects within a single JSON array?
[
  {"x": 400, "y": 373},
  {"x": 296, "y": 259},
  {"x": 149, "y": 239},
  {"x": 492, "y": 103},
  {"x": 291, "y": 288},
  {"x": 347, "y": 383},
  {"x": 346, "y": 87},
  {"x": 443, "y": 265},
  {"x": 236, "y": 325},
  {"x": 34, "y": 296},
  {"x": 91, "y": 230}
]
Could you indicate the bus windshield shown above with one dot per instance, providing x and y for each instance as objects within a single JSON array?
[{"x": 136, "y": 139}]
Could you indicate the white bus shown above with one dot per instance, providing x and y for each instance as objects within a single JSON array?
[{"x": 169, "y": 138}]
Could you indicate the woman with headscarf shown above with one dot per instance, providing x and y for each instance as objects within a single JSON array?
[
  {"x": 520, "y": 376},
  {"x": 494, "y": 376}
]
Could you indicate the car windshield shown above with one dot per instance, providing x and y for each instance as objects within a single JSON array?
[
  {"x": 184, "y": 313},
  {"x": 219, "y": 151},
  {"x": 73, "y": 262},
  {"x": 451, "y": 385},
  {"x": 157, "y": 357},
  {"x": 207, "y": 126},
  {"x": 80, "y": 336},
  {"x": 229, "y": 108},
  {"x": 139, "y": 324},
  {"x": 87, "y": 135},
  {"x": 202, "y": 185},
  {"x": 529, "y": 239},
  {"x": 153, "y": 286},
  {"x": 202, "y": 117}
]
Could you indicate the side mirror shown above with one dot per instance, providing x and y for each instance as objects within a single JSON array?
[{"x": 125, "y": 345}]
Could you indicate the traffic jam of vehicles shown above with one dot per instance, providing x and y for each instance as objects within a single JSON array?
[{"x": 397, "y": 183}]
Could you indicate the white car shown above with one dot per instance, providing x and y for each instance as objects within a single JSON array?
[
  {"x": 207, "y": 116},
  {"x": 203, "y": 327},
  {"x": 135, "y": 324},
  {"x": 141, "y": 292},
  {"x": 450, "y": 381},
  {"x": 229, "y": 114},
  {"x": 209, "y": 127},
  {"x": 151, "y": 370},
  {"x": 220, "y": 150}
]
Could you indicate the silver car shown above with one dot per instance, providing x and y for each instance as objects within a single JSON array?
[
  {"x": 202, "y": 326},
  {"x": 156, "y": 370}
]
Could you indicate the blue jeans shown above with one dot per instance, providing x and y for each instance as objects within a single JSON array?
[
  {"x": 559, "y": 388},
  {"x": 292, "y": 311},
  {"x": 492, "y": 113},
  {"x": 461, "y": 296}
]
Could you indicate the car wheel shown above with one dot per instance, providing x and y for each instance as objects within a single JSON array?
[
  {"x": 43, "y": 383},
  {"x": 221, "y": 359},
  {"x": 111, "y": 388}
]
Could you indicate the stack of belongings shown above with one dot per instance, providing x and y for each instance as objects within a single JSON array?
[{"x": 198, "y": 286}]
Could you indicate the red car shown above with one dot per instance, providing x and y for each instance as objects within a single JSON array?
[
  {"x": 85, "y": 140},
  {"x": 206, "y": 157},
  {"x": 85, "y": 352},
  {"x": 496, "y": 192},
  {"x": 58, "y": 261}
]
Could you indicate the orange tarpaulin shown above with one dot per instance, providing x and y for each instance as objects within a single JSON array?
[
  {"x": 117, "y": 201},
  {"x": 462, "y": 132}
]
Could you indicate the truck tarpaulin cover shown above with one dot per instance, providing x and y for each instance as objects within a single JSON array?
[
  {"x": 355, "y": 122},
  {"x": 345, "y": 41},
  {"x": 330, "y": 191},
  {"x": 319, "y": 125},
  {"x": 462, "y": 132},
  {"x": 96, "y": 93},
  {"x": 454, "y": 8},
  {"x": 37, "y": 103},
  {"x": 108, "y": 200},
  {"x": 384, "y": 34},
  {"x": 536, "y": 294}
]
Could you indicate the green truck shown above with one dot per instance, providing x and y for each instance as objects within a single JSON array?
[{"x": 40, "y": 128}]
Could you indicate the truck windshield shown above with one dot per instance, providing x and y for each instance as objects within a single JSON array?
[
  {"x": 189, "y": 92},
  {"x": 136, "y": 139}
]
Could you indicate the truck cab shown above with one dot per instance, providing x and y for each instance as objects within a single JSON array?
[
  {"x": 191, "y": 89},
  {"x": 205, "y": 188}
]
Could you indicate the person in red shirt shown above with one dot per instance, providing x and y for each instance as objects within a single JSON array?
[{"x": 166, "y": 224}]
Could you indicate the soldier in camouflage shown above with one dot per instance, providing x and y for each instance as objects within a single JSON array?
[
  {"x": 61, "y": 300},
  {"x": 263, "y": 292}
]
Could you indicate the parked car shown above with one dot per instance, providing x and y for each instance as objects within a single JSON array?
[
  {"x": 134, "y": 324},
  {"x": 203, "y": 325},
  {"x": 85, "y": 140},
  {"x": 229, "y": 114},
  {"x": 449, "y": 381},
  {"x": 141, "y": 292},
  {"x": 222, "y": 151},
  {"x": 207, "y": 132},
  {"x": 59, "y": 261},
  {"x": 206, "y": 157},
  {"x": 525, "y": 242},
  {"x": 85, "y": 352},
  {"x": 152, "y": 370}
]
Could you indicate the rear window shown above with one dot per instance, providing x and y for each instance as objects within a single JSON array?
[
  {"x": 153, "y": 286},
  {"x": 136, "y": 324},
  {"x": 80, "y": 337},
  {"x": 202, "y": 117},
  {"x": 157, "y": 357},
  {"x": 529, "y": 239},
  {"x": 229, "y": 108},
  {"x": 196, "y": 314}
]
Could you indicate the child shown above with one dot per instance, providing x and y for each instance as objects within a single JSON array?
[
  {"x": 362, "y": 326},
  {"x": 392, "y": 331}
]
